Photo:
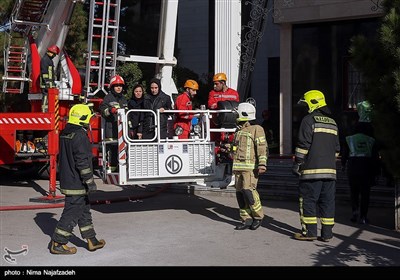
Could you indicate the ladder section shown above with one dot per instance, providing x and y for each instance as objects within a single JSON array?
[
  {"x": 102, "y": 46},
  {"x": 27, "y": 13},
  {"x": 15, "y": 65},
  {"x": 26, "y": 16}
]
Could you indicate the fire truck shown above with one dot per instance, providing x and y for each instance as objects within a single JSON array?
[{"x": 31, "y": 138}]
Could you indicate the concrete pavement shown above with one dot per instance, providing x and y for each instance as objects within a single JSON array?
[{"x": 192, "y": 228}]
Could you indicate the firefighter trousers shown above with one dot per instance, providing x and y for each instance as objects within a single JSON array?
[
  {"x": 76, "y": 211},
  {"x": 317, "y": 197},
  {"x": 247, "y": 196},
  {"x": 45, "y": 100}
]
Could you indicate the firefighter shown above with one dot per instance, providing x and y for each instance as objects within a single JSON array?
[
  {"x": 113, "y": 101},
  {"x": 76, "y": 182},
  {"x": 221, "y": 92},
  {"x": 249, "y": 161},
  {"x": 315, "y": 164},
  {"x": 183, "y": 120},
  {"x": 47, "y": 74}
]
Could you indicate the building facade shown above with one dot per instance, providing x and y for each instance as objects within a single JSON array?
[
  {"x": 315, "y": 37},
  {"x": 304, "y": 45}
]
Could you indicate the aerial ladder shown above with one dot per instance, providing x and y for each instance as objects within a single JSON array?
[
  {"x": 164, "y": 60},
  {"x": 25, "y": 16},
  {"x": 102, "y": 46},
  {"x": 35, "y": 25}
]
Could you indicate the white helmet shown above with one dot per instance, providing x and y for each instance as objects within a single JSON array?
[{"x": 246, "y": 111}]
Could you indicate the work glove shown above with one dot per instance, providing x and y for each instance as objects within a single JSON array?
[
  {"x": 296, "y": 169},
  {"x": 113, "y": 110},
  {"x": 82, "y": 98},
  {"x": 91, "y": 186}
]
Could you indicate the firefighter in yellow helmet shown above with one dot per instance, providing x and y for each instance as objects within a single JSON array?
[
  {"x": 76, "y": 182},
  {"x": 184, "y": 100},
  {"x": 250, "y": 152},
  {"x": 315, "y": 164}
]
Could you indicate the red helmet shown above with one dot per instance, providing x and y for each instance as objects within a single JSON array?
[
  {"x": 92, "y": 63},
  {"x": 117, "y": 80},
  {"x": 53, "y": 49}
]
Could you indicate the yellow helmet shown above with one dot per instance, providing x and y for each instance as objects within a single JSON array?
[
  {"x": 191, "y": 84},
  {"x": 314, "y": 100},
  {"x": 219, "y": 77},
  {"x": 246, "y": 112},
  {"x": 80, "y": 114}
]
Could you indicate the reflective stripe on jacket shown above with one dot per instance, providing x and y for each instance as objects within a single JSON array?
[
  {"x": 249, "y": 148},
  {"x": 318, "y": 147},
  {"x": 75, "y": 160}
]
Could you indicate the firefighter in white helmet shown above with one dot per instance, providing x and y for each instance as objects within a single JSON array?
[
  {"x": 250, "y": 152},
  {"x": 76, "y": 182}
]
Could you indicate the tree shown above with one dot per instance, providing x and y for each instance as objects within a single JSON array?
[
  {"x": 379, "y": 61},
  {"x": 131, "y": 74},
  {"x": 76, "y": 40}
]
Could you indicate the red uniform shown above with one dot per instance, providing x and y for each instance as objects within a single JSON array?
[
  {"x": 183, "y": 119},
  {"x": 215, "y": 96}
]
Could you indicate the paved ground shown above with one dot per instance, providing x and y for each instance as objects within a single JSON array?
[{"x": 186, "y": 229}]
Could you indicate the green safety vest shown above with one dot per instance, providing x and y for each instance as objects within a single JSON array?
[{"x": 360, "y": 145}]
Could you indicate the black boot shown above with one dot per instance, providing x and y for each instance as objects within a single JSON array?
[
  {"x": 94, "y": 244},
  {"x": 256, "y": 224},
  {"x": 244, "y": 225}
]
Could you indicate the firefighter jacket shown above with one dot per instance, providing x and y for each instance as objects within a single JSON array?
[
  {"x": 215, "y": 96},
  {"x": 318, "y": 146},
  {"x": 47, "y": 72},
  {"x": 112, "y": 99},
  {"x": 183, "y": 119},
  {"x": 249, "y": 148},
  {"x": 75, "y": 160}
]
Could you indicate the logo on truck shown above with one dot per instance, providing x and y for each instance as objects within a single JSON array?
[{"x": 173, "y": 164}]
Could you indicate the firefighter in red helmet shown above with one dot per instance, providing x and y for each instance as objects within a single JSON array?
[
  {"x": 113, "y": 101},
  {"x": 184, "y": 102},
  {"x": 47, "y": 74}
]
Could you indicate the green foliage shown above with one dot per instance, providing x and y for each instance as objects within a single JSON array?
[
  {"x": 379, "y": 60},
  {"x": 5, "y": 10},
  {"x": 131, "y": 74},
  {"x": 181, "y": 74},
  {"x": 76, "y": 40}
]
